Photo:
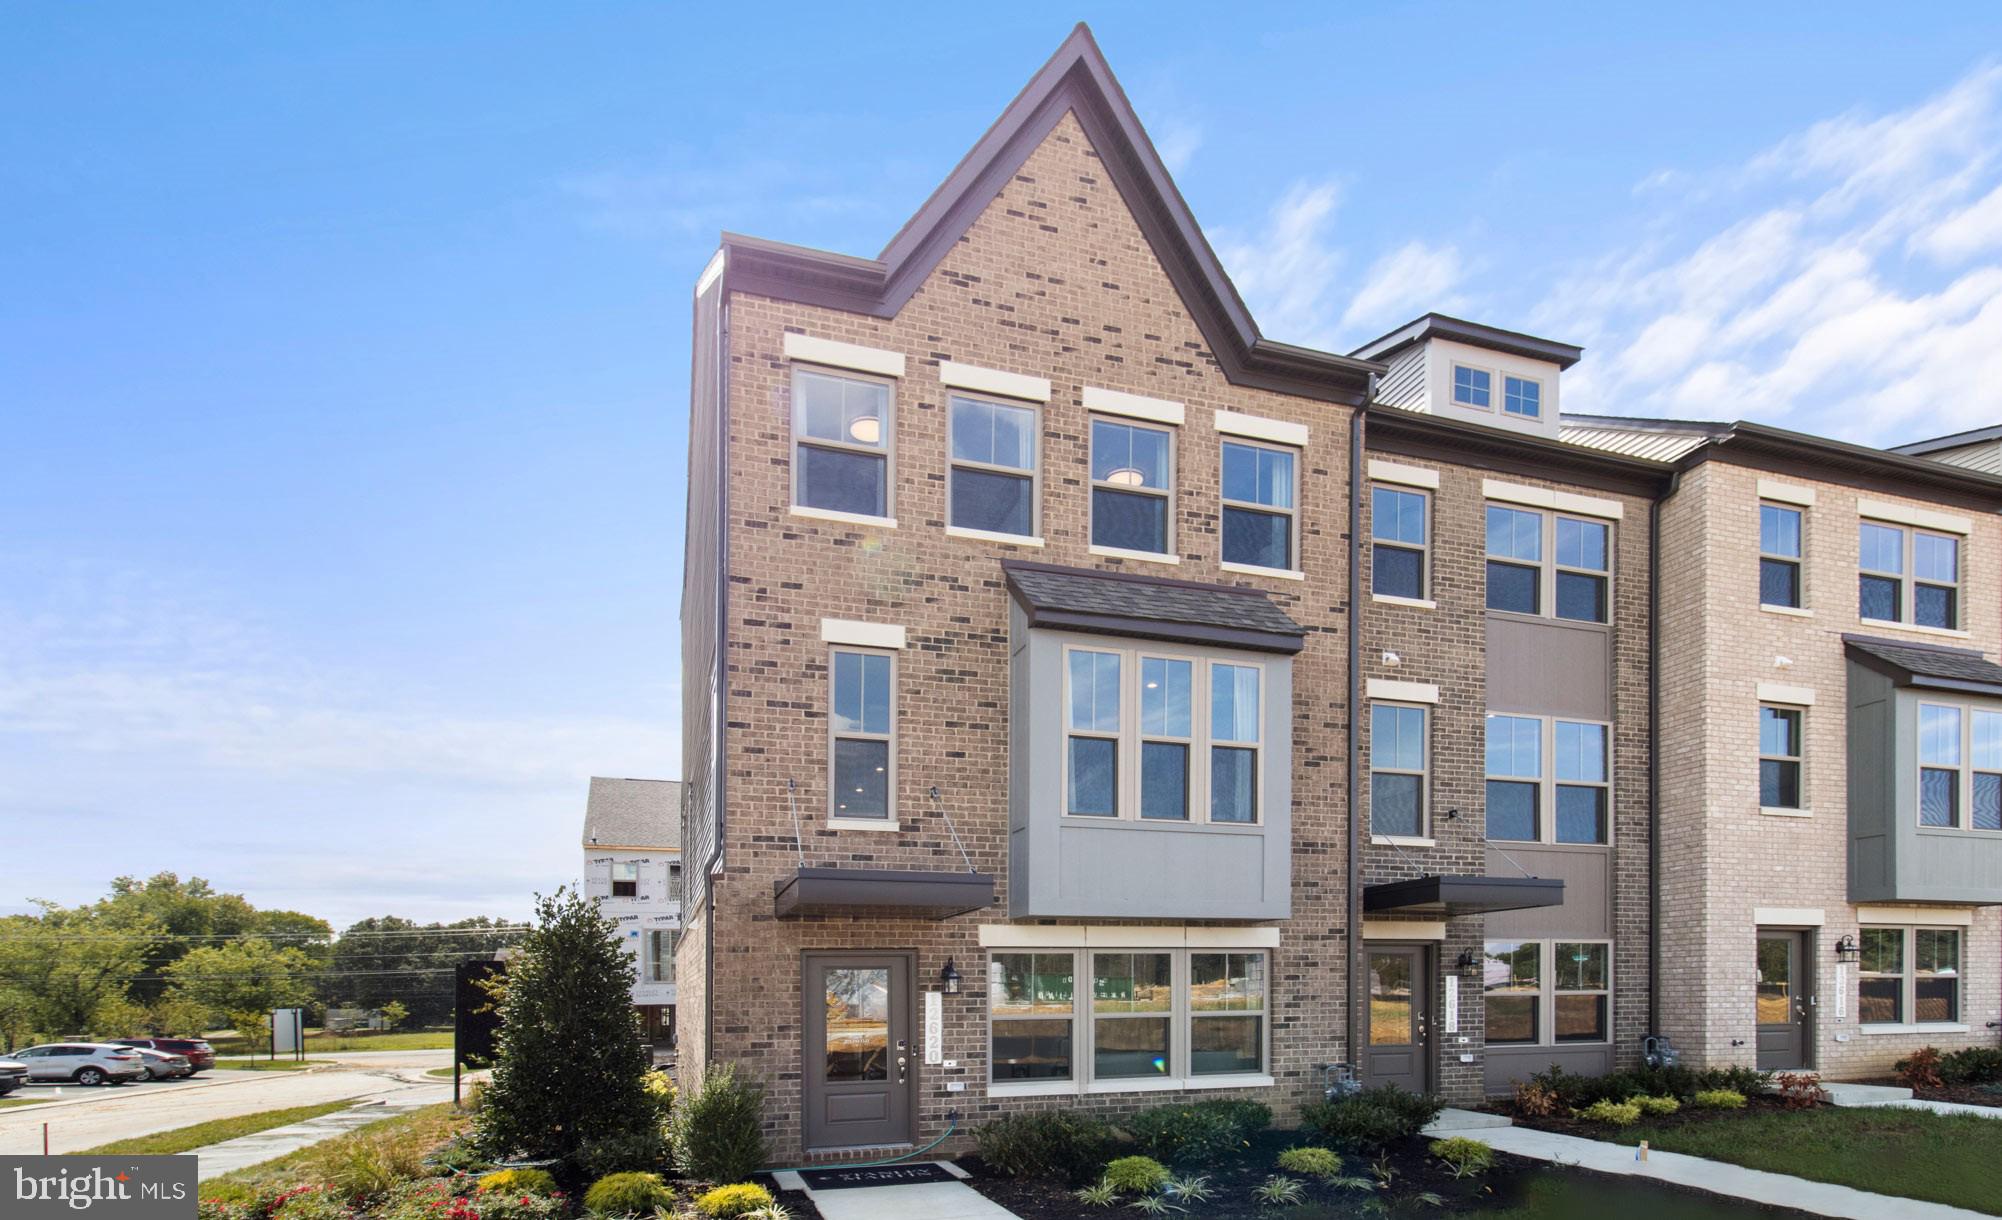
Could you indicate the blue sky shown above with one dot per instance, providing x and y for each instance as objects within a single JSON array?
[{"x": 343, "y": 361}]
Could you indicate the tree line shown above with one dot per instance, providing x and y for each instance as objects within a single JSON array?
[{"x": 163, "y": 956}]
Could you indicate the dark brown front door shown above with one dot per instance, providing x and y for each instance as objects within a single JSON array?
[
  {"x": 858, "y": 1065},
  {"x": 1784, "y": 1000},
  {"x": 1399, "y": 1032}
]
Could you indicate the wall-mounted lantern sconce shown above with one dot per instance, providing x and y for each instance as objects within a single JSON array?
[
  {"x": 1470, "y": 961},
  {"x": 1846, "y": 951},
  {"x": 948, "y": 979}
]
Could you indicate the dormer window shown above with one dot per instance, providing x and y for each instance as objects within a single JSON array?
[
  {"x": 1472, "y": 387},
  {"x": 1522, "y": 396}
]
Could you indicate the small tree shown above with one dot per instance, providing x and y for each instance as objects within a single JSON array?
[
  {"x": 570, "y": 1065},
  {"x": 393, "y": 1014}
]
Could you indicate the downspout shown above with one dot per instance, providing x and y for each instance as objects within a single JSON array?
[
  {"x": 719, "y": 776},
  {"x": 1353, "y": 972},
  {"x": 1654, "y": 754}
]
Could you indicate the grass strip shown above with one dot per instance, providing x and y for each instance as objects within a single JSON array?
[
  {"x": 215, "y": 1131},
  {"x": 265, "y": 1065},
  {"x": 8, "y": 1103},
  {"x": 414, "y": 1134}
]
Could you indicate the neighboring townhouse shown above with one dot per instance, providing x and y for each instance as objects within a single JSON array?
[
  {"x": 1507, "y": 729},
  {"x": 1020, "y": 656},
  {"x": 1830, "y": 720},
  {"x": 632, "y": 867}
]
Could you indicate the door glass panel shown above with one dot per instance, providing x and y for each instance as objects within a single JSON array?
[
  {"x": 858, "y": 1024},
  {"x": 1390, "y": 999},
  {"x": 1775, "y": 981}
]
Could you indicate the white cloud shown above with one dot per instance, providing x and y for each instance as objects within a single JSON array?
[
  {"x": 1177, "y": 141},
  {"x": 1287, "y": 272},
  {"x": 1402, "y": 284}
]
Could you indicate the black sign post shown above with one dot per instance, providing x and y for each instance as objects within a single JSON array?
[{"x": 476, "y": 1017}]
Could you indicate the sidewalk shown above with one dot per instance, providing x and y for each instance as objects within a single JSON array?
[
  {"x": 1716, "y": 1177},
  {"x": 248, "y": 1150},
  {"x": 1895, "y": 1098}
]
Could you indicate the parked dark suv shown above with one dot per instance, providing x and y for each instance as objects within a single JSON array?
[{"x": 200, "y": 1055}]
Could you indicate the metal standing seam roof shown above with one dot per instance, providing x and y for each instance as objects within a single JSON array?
[
  {"x": 1118, "y": 603},
  {"x": 1928, "y": 665},
  {"x": 1650, "y": 445},
  {"x": 633, "y": 813}
]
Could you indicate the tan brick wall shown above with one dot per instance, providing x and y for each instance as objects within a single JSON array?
[
  {"x": 1721, "y": 857},
  {"x": 1055, "y": 280}
]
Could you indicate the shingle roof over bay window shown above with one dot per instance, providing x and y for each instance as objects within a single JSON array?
[{"x": 1118, "y": 603}]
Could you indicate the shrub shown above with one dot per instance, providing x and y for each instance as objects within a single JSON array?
[
  {"x": 508, "y": 1207},
  {"x": 1049, "y": 1144},
  {"x": 1141, "y": 1174},
  {"x": 659, "y": 1088},
  {"x": 1655, "y": 1105},
  {"x": 570, "y": 1061},
  {"x": 1799, "y": 1090},
  {"x": 231, "y": 1194},
  {"x": 313, "y": 1203},
  {"x": 1277, "y": 1191},
  {"x": 641, "y": 1151},
  {"x": 1371, "y": 1118},
  {"x": 1975, "y": 1065},
  {"x": 365, "y": 1170},
  {"x": 1314, "y": 1162},
  {"x": 1533, "y": 1100},
  {"x": 1196, "y": 1134},
  {"x": 1098, "y": 1194},
  {"x": 1612, "y": 1113},
  {"x": 729, "y": 1201},
  {"x": 459, "y": 1155},
  {"x": 518, "y": 1181},
  {"x": 629, "y": 1194},
  {"x": 1718, "y": 1099},
  {"x": 718, "y": 1132},
  {"x": 421, "y": 1200},
  {"x": 1920, "y": 1069},
  {"x": 1464, "y": 1157}
]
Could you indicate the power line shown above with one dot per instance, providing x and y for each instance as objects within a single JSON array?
[{"x": 331, "y": 937}]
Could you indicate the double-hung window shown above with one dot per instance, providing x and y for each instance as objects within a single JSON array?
[
  {"x": 660, "y": 944},
  {"x": 1397, "y": 769},
  {"x": 1779, "y": 556},
  {"x": 1908, "y": 576},
  {"x": 1472, "y": 387},
  {"x": 1579, "y": 579},
  {"x": 1779, "y": 757},
  {"x": 993, "y": 469},
  {"x": 841, "y": 443},
  {"x": 860, "y": 723},
  {"x": 1146, "y": 1017},
  {"x": 625, "y": 878},
  {"x": 674, "y": 883},
  {"x": 1138, "y": 745},
  {"x": 1547, "y": 992},
  {"x": 1960, "y": 767},
  {"x": 1913, "y": 971},
  {"x": 1397, "y": 542},
  {"x": 1258, "y": 505},
  {"x": 1523, "y": 794},
  {"x": 1132, "y": 482},
  {"x": 1522, "y": 396}
]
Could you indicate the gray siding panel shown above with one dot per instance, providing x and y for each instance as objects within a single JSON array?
[
  {"x": 1546, "y": 667},
  {"x": 1587, "y": 873},
  {"x": 702, "y": 594},
  {"x": 1508, "y": 1065},
  {"x": 1403, "y": 385}
]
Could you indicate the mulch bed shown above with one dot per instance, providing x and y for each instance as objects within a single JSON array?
[
  {"x": 1967, "y": 1094},
  {"x": 1688, "y": 1116},
  {"x": 1416, "y": 1172}
]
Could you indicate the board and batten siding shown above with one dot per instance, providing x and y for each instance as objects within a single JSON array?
[{"x": 702, "y": 602}]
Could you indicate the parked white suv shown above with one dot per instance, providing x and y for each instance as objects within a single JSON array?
[{"x": 83, "y": 1062}]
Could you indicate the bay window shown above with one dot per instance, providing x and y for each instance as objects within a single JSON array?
[
  {"x": 1136, "y": 748},
  {"x": 1960, "y": 767},
  {"x": 1166, "y": 732},
  {"x": 1908, "y": 976},
  {"x": 1093, "y": 766},
  {"x": 1149, "y": 1017},
  {"x": 1235, "y": 713}
]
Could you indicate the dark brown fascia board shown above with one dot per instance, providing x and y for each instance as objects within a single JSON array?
[
  {"x": 1952, "y": 440},
  {"x": 1413, "y": 434},
  {"x": 1075, "y": 80},
  {"x": 1173, "y": 632},
  {"x": 1818, "y": 457},
  {"x": 1903, "y": 677},
  {"x": 1475, "y": 334},
  {"x": 1131, "y": 578}
]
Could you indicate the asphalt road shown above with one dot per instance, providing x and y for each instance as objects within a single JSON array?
[{"x": 80, "y": 1118}]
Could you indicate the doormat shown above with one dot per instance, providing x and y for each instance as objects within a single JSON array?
[{"x": 879, "y": 1175}]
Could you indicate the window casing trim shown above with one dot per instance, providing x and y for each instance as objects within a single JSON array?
[
  {"x": 1166, "y": 494},
  {"x": 1964, "y": 770},
  {"x": 1797, "y": 562},
  {"x": 1908, "y": 977},
  {"x": 1291, "y": 513},
  {"x": 1547, "y": 783},
  {"x": 1798, "y": 709},
  {"x": 1423, "y": 835},
  {"x": 1908, "y": 580},
  {"x": 1422, "y": 548},
  {"x": 887, "y": 451},
  {"x": 1547, "y": 567},
  {"x": 836, "y": 819},
  {"x": 1034, "y": 473},
  {"x": 1548, "y": 991}
]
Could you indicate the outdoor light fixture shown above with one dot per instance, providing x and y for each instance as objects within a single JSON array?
[
  {"x": 866, "y": 430},
  {"x": 1846, "y": 950},
  {"x": 1126, "y": 476},
  {"x": 1469, "y": 960},
  {"x": 948, "y": 979}
]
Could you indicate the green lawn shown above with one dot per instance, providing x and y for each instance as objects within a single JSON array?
[
  {"x": 201, "y": 1135},
  {"x": 1954, "y": 1159},
  {"x": 407, "y": 1137},
  {"x": 8, "y": 1103},
  {"x": 265, "y": 1065},
  {"x": 320, "y": 1040}
]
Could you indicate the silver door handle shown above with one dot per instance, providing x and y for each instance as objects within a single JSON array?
[{"x": 902, "y": 1075}]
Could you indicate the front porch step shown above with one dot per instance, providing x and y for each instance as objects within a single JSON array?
[
  {"x": 1452, "y": 1121},
  {"x": 1865, "y": 1094}
]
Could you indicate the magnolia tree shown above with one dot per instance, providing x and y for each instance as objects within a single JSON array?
[{"x": 568, "y": 1073}]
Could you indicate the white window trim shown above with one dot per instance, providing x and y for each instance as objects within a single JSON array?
[
  {"x": 1799, "y": 708},
  {"x": 1181, "y": 1022},
  {"x": 1034, "y": 473},
  {"x": 830, "y": 514},
  {"x": 890, "y": 820},
  {"x": 1547, "y": 783},
  {"x": 1547, "y": 567},
  {"x": 887, "y": 451},
  {"x": 1547, "y": 991},
  {"x": 1291, "y": 514},
  {"x": 1133, "y": 406},
  {"x": 1381, "y": 471},
  {"x": 1120, "y": 552},
  {"x": 835, "y": 354},
  {"x": 1501, "y": 408},
  {"x": 1545, "y": 497},
  {"x": 1786, "y": 493},
  {"x": 960, "y": 531},
  {"x": 1453, "y": 387},
  {"x": 1424, "y": 772},
  {"x": 1130, "y": 736},
  {"x": 1799, "y": 561},
  {"x": 1257, "y": 427},
  {"x": 1402, "y": 692},
  {"x": 1909, "y": 980},
  {"x": 1166, "y": 494},
  {"x": 860, "y": 634},
  {"x": 1252, "y": 569},
  {"x": 1778, "y": 692},
  {"x": 1423, "y": 546},
  {"x": 1917, "y": 518},
  {"x": 1908, "y": 579},
  {"x": 993, "y": 381}
]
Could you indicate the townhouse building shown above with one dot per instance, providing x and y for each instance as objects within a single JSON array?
[
  {"x": 1035, "y": 609},
  {"x": 632, "y": 869},
  {"x": 1830, "y": 810}
]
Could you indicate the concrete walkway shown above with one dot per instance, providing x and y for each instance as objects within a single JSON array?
[
  {"x": 1716, "y": 1177},
  {"x": 248, "y": 1150},
  {"x": 1896, "y": 1098},
  {"x": 915, "y": 1201}
]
